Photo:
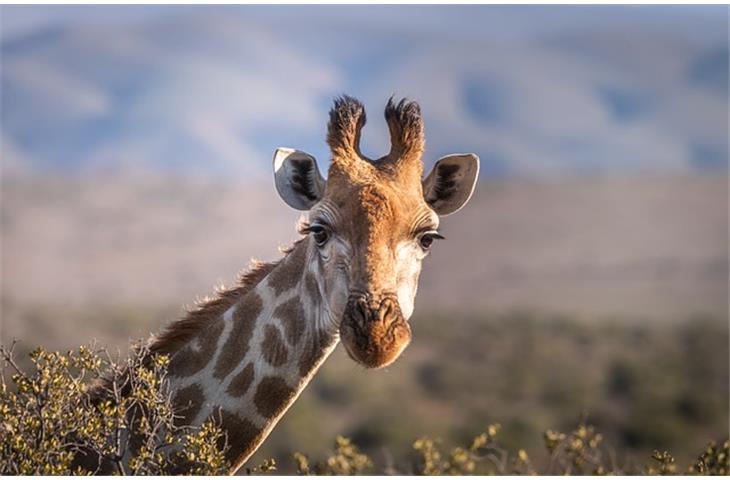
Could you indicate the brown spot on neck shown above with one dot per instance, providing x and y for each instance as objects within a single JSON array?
[
  {"x": 188, "y": 402},
  {"x": 187, "y": 362},
  {"x": 272, "y": 396},
  {"x": 291, "y": 316},
  {"x": 242, "y": 437},
  {"x": 240, "y": 383},
  {"x": 272, "y": 347},
  {"x": 236, "y": 346},
  {"x": 288, "y": 273}
]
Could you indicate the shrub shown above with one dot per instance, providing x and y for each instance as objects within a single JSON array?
[
  {"x": 578, "y": 452},
  {"x": 347, "y": 460},
  {"x": 84, "y": 405}
]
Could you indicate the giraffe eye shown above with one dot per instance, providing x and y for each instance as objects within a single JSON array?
[
  {"x": 426, "y": 239},
  {"x": 320, "y": 234}
]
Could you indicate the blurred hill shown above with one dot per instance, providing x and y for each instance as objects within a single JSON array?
[{"x": 600, "y": 246}]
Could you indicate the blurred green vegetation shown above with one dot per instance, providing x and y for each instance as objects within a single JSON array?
[
  {"x": 578, "y": 452},
  {"x": 644, "y": 384},
  {"x": 73, "y": 407}
]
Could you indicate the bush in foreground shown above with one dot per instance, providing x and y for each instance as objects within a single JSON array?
[
  {"x": 576, "y": 453},
  {"x": 83, "y": 402}
]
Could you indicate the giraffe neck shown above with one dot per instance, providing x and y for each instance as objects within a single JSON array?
[{"x": 246, "y": 366}]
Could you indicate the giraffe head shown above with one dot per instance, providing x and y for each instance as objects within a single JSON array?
[{"x": 371, "y": 223}]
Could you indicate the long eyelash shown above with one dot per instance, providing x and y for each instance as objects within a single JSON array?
[
  {"x": 429, "y": 230},
  {"x": 304, "y": 227}
]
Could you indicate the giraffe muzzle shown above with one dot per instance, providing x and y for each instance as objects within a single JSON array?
[{"x": 374, "y": 332}]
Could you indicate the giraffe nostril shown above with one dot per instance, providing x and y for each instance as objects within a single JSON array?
[
  {"x": 389, "y": 310},
  {"x": 363, "y": 310},
  {"x": 373, "y": 330},
  {"x": 360, "y": 310},
  {"x": 387, "y": 305}
]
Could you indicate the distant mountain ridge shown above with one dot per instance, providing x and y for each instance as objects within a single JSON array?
[
  {"x": 640, "y": 246},
  {"x": 214, "y": 91}
]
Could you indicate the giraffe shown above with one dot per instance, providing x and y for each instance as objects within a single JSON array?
[{"x": 247, "y": 354}]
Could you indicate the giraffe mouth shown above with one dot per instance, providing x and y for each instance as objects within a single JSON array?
[{"x": 374, "y": 334}]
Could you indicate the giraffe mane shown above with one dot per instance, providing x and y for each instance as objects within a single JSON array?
[{"x": 176, "y": 334}]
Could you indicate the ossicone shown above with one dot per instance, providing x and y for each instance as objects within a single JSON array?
[
  {"x": 347, "y": 117},
  {"x": 406, "y": 129}
]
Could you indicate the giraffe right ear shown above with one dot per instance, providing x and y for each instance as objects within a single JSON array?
[
  {"x": 451, "y": 182},
  {"x": 297, "y": 177}
]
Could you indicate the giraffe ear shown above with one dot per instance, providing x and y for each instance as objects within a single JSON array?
[
  {"x": 451, "y": 182},
  {"x": 297, "y": 177}
]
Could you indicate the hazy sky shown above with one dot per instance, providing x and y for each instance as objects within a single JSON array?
[
  {"x": 522, "y": 20},
  {"x": 535, "y": 90}
]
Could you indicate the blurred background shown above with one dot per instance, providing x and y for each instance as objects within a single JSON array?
[{"x": 588, "y": 275}]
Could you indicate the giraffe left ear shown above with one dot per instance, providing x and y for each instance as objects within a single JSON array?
[
  {"x": 297, "y": 177},
  {"x": 451, "y": 182}
]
